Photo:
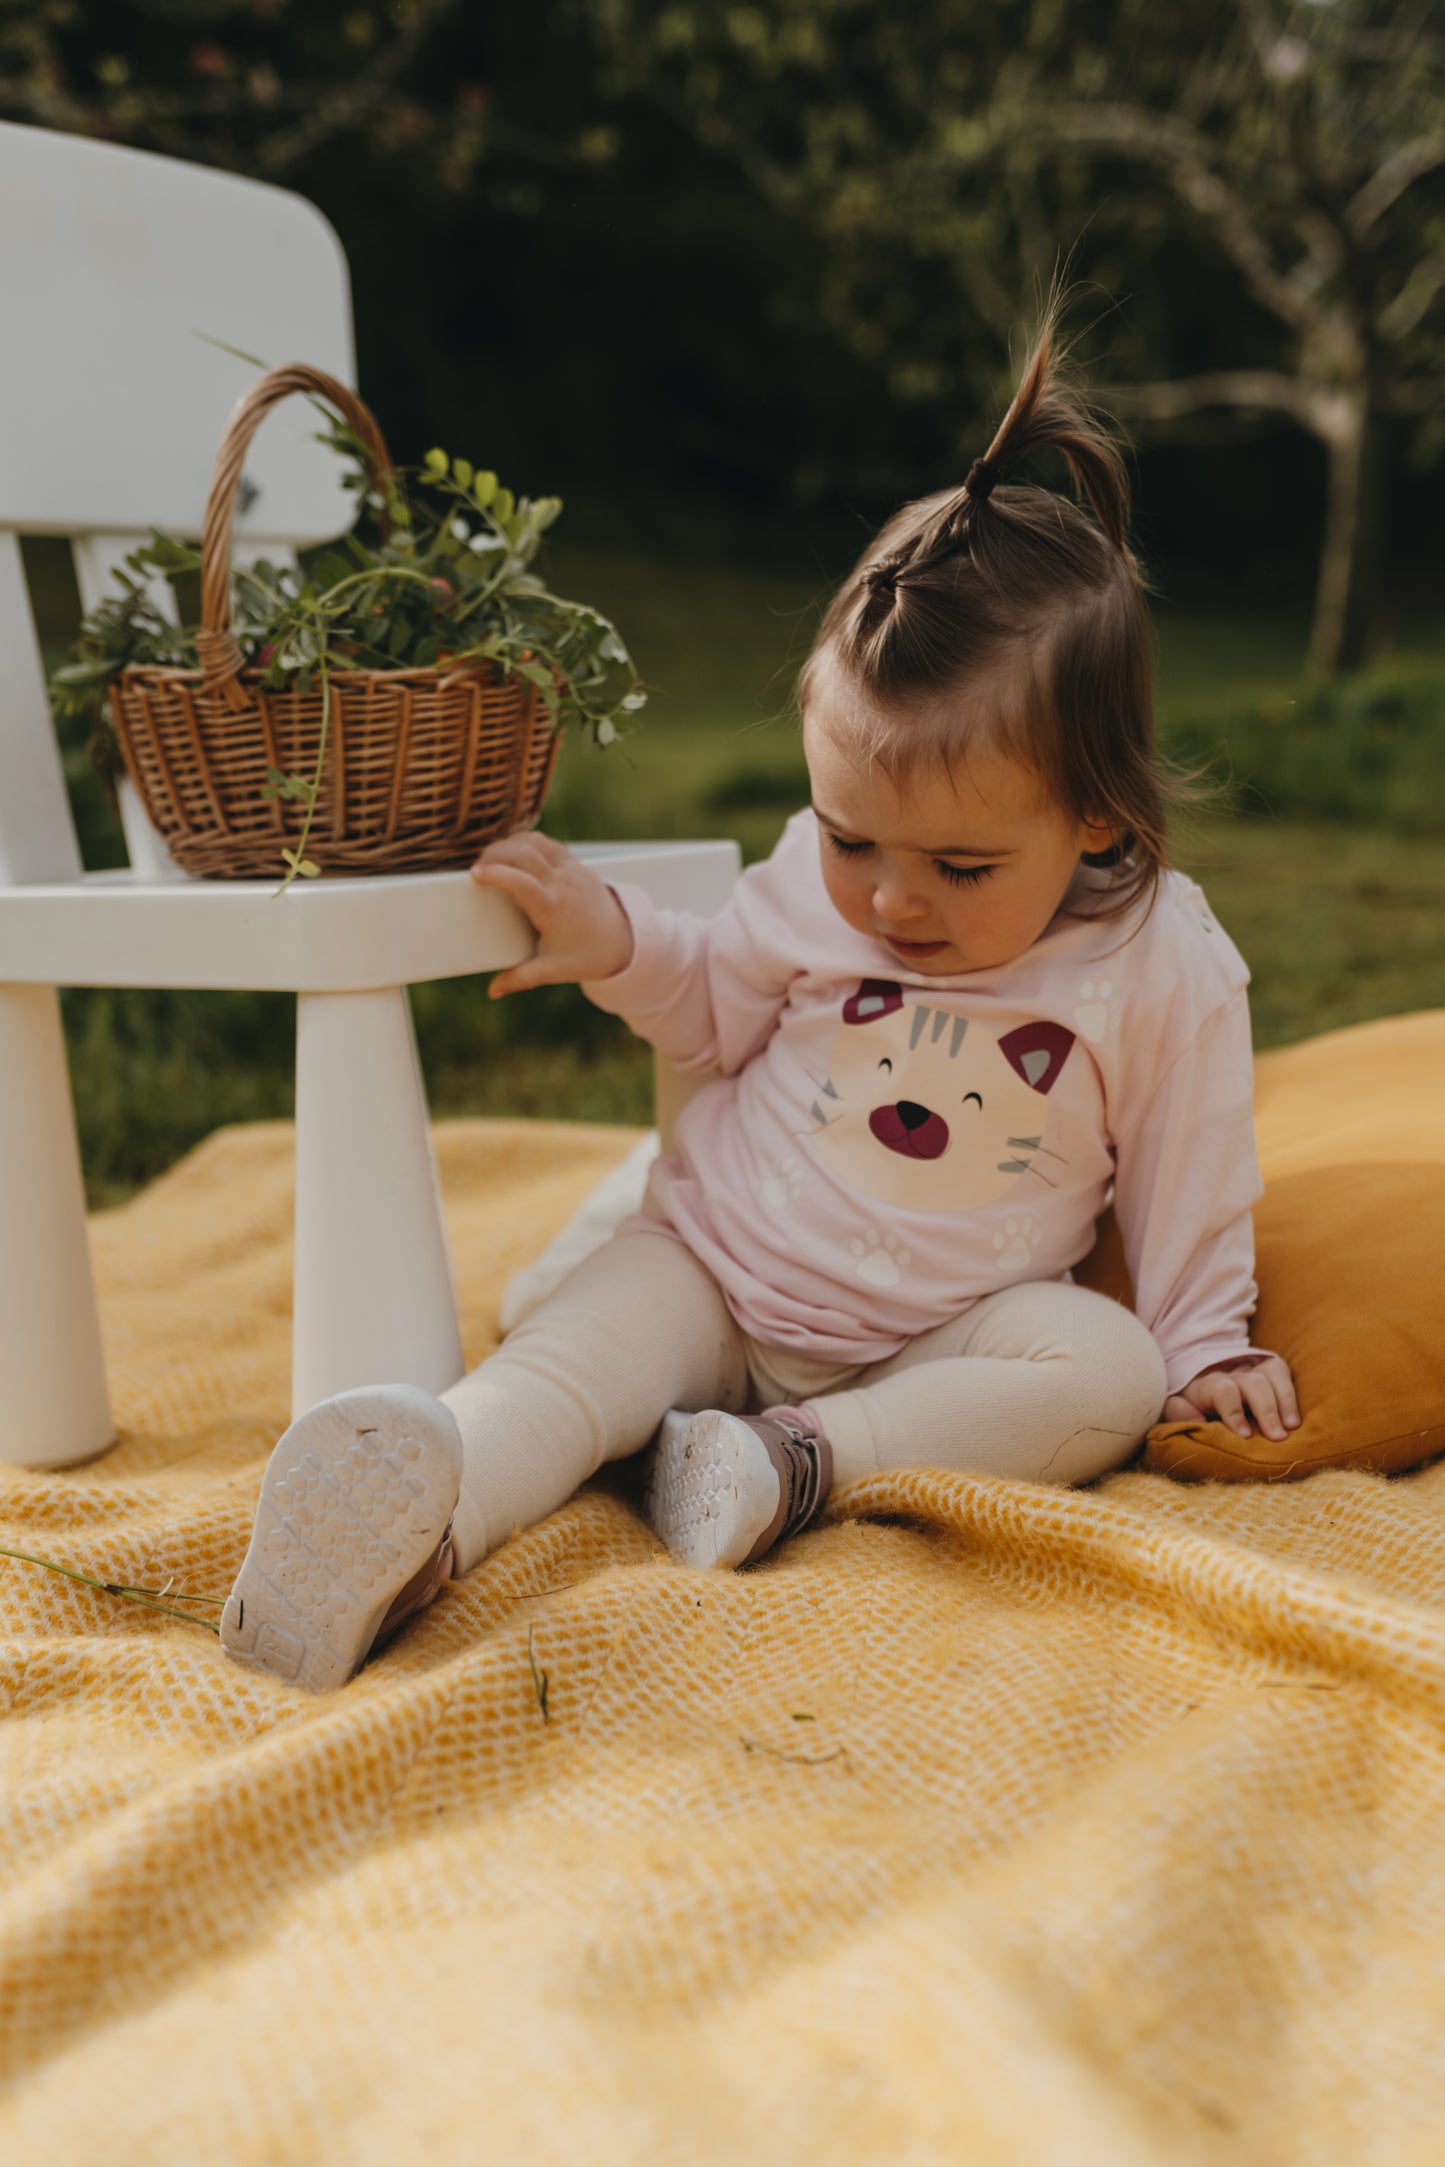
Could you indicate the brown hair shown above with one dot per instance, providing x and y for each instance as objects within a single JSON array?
[{"x": 1016, "y": 590}]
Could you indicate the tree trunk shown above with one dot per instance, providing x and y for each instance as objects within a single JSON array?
[{"x": 1349, "y": 575}]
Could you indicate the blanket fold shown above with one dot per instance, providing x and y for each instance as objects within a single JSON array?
[{"x": 983, "y": 1823}]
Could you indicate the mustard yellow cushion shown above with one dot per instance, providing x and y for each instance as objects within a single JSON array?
[{"x": 1350, "y": 1235}]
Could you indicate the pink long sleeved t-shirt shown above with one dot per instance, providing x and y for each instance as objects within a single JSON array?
[{"x": 881, "y": 1149}]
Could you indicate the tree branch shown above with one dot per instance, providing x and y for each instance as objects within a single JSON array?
[
  {"x": 1184, "y": 156},
  {"x": 1415, "y": 299},
  {"x": 347, "y": 105},
  {"x": 1410, "y": 163},
  {"x": 1256, "y": 390}
]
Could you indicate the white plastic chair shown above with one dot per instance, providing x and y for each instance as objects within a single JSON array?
[{"x": 112, "y": 262}]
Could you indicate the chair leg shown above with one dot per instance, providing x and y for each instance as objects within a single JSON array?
[
  {"x": 375, "y": 1303},
  {"x": 53, "y": 1403}
]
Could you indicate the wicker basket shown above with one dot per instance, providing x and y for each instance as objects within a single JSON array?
[{"x": 423, "y": 766}]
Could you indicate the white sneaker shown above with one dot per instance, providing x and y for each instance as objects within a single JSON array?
[
  {"x": 723, "y": 1488},
  {"x": 356, "y": 1506}
]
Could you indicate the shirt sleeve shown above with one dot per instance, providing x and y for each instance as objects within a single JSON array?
[
  {"x": 707, "y": 992},
  {"x": 1185, "y": 1179}
]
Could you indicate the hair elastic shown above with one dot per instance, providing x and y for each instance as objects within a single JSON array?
[{"x": 980, "y": 479}]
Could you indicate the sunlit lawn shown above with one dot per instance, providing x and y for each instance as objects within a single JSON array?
[{"x": 1339, "y": 919}]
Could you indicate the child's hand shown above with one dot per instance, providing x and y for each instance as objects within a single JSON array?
[
  {"x": 582, "y": 929},
  {"x": 1260, "y": 1385}
]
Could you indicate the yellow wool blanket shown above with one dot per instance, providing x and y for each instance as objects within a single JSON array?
[{"x": 986, "y": 1824}]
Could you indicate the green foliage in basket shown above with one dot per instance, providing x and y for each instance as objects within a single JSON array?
[{"x": 446, "y": 582}]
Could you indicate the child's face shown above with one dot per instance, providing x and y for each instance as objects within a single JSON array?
[{"x": 951, "y": 871}]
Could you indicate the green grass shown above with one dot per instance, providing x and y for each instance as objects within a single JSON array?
[
  {"x": 1330, "y": 875},
  {"x": 1337, "y": 924}
]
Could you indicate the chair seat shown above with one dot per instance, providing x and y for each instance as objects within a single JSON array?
[{"x": 325, "y": 936}]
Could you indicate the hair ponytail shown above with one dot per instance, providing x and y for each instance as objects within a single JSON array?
[
  {"x": 1049, "y": 413},
  {"x": 1007, "y": 606}
]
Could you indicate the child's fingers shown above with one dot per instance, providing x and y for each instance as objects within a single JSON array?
[
  {"x": 1278, "y": 1370},
  {"x": 529, "y": 850},
  {"x": 1260, "y": 1397},
  {"x": 526, "y": 890},
  {"x": 1217, "y": 1392},
  {"x": 1179, "y": 1409},
  {"x": 538, "y": 970}
]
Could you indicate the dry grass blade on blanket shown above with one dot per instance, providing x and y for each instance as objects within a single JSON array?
[
  {"x": 985, "y": 1823},
  {"x": 148, "y": 1598}
]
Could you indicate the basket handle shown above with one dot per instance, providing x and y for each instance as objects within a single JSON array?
[{"x": 220, "y": 657}]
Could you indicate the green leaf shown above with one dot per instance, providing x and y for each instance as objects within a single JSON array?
[
  {"x": 298, "y": 789},
  {"x": 502, "y": 506},
  {"x": 484, "y": 489},
  {"x": 462, "y": 473},
  {"x": 436, "y": 462}
]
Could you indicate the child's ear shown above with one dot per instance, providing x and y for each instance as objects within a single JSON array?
[
  {"x": 1106, "y": 844},
  {"x": 1103, "y": 838}
]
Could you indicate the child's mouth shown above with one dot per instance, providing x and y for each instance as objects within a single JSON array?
[{"x": 915, "y": 949}]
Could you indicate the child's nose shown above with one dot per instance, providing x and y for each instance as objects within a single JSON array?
[{"x": 895, "y": 899}]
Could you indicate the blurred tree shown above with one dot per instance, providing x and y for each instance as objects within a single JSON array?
[
  {"x": 618, "y": 311},
  {"x": 258, "y": 86},
  {"x": 1296, "y": 145}
]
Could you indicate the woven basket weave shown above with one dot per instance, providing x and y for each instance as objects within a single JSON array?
[{"x": 423, "y": 766}]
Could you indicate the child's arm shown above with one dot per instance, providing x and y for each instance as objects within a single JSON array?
[
  {"x": 706, "y": 993},
  {"x": 1185, "y": 1180}
]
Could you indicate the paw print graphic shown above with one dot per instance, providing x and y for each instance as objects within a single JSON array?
[
  {"x": 1093, "y": 1015},
  {"x": 781, "y": 1183},
  {"x": 1014, "y": 1247},
  {"x": 880, "y": 1260}
]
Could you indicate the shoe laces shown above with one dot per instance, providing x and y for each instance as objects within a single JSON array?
[{"x": 802, "y": 1473}]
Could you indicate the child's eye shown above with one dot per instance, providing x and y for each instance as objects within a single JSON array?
[
  {"x": 845, "y": 850},
  {"x": 962, "y": 875}
]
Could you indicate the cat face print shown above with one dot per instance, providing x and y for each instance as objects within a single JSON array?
[{"x": 929, "y": 1110}]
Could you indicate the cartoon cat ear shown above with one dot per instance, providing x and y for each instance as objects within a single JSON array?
[
  {"x": 875, "y": 997},
  {"x": 1038, "y": 1052}
]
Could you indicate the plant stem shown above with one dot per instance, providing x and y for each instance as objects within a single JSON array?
[
  {"x": 381, "y": 573},
  {"x": 297, "y": 858},
  {"x": 145, "y": 1596}
]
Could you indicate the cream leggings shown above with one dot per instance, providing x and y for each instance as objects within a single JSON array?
[{"x": 1043, "y": 1382}]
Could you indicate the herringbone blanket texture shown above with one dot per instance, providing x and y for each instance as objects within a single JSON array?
[{"x": 986, "y": 1824}]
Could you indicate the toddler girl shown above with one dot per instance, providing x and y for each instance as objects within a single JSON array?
[{"x": 962, "y": 1002}]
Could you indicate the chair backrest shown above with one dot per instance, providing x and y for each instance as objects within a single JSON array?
[{"x": 118, "y": 269}]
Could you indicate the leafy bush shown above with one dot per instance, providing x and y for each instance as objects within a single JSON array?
[{"x": 1368, "y": 750}]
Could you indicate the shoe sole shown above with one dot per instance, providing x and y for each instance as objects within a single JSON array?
[
  {"x": 709, "y": 1476},
  {"x": 355, "y": 1497}
]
